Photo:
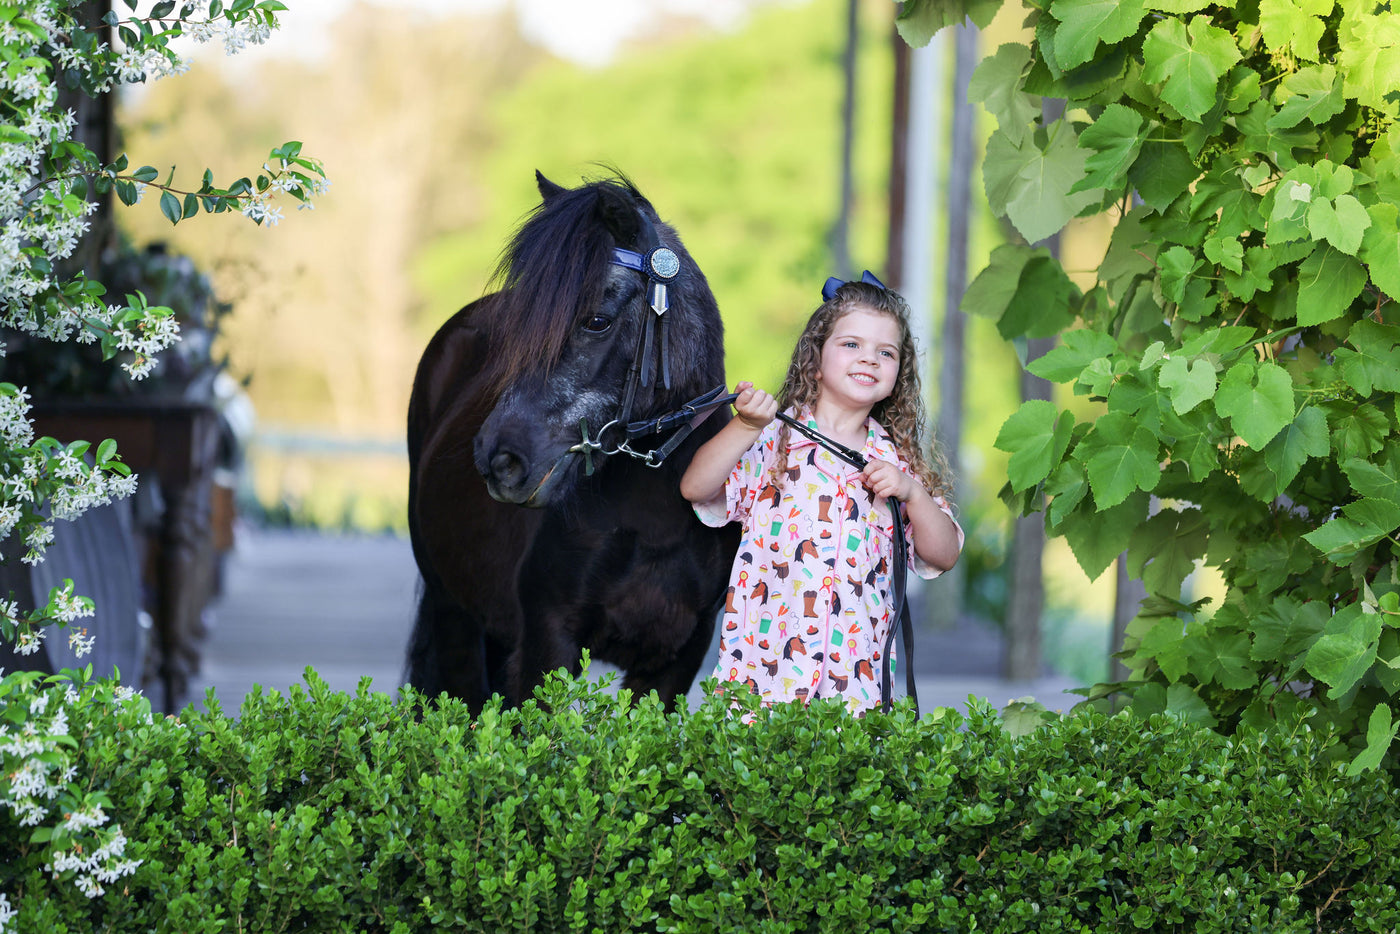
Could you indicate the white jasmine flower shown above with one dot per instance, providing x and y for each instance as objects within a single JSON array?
[
  {"x": 80, "y": 642},
  {"x": 30, "y": 641}
]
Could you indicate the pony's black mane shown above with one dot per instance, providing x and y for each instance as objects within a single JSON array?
[
  {"x": 554, "y": 266},
  {"x": 557, "y": 265}
]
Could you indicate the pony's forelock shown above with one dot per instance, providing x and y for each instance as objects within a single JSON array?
[{"x": 549, "y": 270}]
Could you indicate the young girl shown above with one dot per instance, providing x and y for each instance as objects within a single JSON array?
[{"x": 808, "y": 607}]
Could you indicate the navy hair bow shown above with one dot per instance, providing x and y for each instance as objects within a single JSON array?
[{"x": 833, "y": 283}]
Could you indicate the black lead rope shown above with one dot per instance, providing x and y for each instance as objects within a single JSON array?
[{"x": 898, "y": 575}]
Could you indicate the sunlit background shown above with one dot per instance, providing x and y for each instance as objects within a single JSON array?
[{"x": 431, "y": 117}]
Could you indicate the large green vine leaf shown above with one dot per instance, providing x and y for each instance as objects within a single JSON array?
[
  {"x": 1303, "y": 438},
  {"x": 1220, "y": 655},
  {"x": 1037, "y": 438},
  {"x": 1375, "y": 480},
  {"x": 1188, "y": 60},
  {"x": 1097, "y": 538},
  {"x": 1077, "y": 349},
  {"x": 998, "y": 82},
  {"x": 918, "y": 20},
  {"x": 1257, "y": 398},
  {"x": 1189, "y": 384},
  {"x": 1119, "y": 456},
  {"x": 1346, "y": 648},
  {"x": 1086, "y": 23},
  {"x": 1024, "y": 290},
  {"x": 1369, "y": 55},
  {"x": 1286, "y": 628},
  {"x": 1162, "y": 172},
  {"x": 1293, "y": 25},
  {"x": 1316, "y": 97},
  {"x": 1116, "y": 138},
  {"x": 1328, "y": 282},
  {"x": 1380, "y": 733},
  {"x": 1031, "y": 181},
  {"x": 1373, "y": 359},
  {"x": 1165, "y": 549},
  {"x": 1361, "y": 524},
  {"x": 1380, "y": 248},
  {"x": 1341, "y": 222}
]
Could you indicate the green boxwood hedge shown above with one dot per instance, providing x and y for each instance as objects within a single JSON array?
[{"x": 322, "y": 811}]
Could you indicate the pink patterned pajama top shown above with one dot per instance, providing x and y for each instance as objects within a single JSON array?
[{"x": 807, "y": 611}]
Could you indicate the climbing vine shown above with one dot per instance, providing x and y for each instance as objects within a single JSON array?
[{"x": 1240, "y": 338}]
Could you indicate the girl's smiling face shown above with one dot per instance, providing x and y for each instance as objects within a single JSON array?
[{"x": 860, "y": 359}]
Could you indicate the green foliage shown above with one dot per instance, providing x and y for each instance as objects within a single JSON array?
[
  {"x": 329, "y": 812},
  {"x": 1240, "y": 341}
]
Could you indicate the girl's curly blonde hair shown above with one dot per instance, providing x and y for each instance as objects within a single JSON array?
[{"x": 901, "y": 413}]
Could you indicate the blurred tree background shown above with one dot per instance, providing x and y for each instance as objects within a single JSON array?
[{"x": 734, "y": 134}]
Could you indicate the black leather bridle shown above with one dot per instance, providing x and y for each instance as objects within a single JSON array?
[{"x": 660, "y": 265}]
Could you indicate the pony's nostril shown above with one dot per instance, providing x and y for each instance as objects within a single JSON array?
[{"x": 508, "y": 469}]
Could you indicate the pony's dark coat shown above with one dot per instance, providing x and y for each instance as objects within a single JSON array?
[{"x": 617, "y": 562}]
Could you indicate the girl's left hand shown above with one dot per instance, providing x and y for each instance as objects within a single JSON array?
[{"x": 887, "y": 480}]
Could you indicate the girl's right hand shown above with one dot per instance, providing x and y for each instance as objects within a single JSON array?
[{"x": 754, "y": 407}]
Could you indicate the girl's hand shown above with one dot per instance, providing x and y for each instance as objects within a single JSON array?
[
  {"x": 885, "y": 479},
  {"x": 754, "y": 407}
]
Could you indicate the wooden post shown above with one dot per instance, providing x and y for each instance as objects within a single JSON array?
[
  {"x": 1023, "y": 659},
  {"x": 840, "y": 232},
  {"x": 1023, "y": 644},
  {"x": 1128, "y": 595},
  {"x": 944, "y": 611},
  {"x": 899, "y": 163}
]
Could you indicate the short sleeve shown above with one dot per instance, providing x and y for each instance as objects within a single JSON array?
[
  {"x": 743, "y": 485},
  {"x": 916, "y": 564}
]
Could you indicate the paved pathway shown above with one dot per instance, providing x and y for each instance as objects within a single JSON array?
[
  {"x": 344, "y": 606},
  {"x": 340, "y": 604}
]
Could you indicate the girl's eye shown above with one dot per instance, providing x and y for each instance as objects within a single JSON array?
[
  {"x": 888, "y": 353},
  {"x": 597, "y": 324}
]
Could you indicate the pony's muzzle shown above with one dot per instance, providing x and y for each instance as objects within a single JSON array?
[
  {"x": 507, "y": 469},
  {"x": 508, "y": 472},
  {"x": 504, "y": 470}
]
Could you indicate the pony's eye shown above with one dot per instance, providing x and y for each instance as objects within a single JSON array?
[{"x": 597, "y": 324}]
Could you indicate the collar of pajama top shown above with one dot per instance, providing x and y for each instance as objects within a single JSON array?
[{"x": 878, "y": 444}]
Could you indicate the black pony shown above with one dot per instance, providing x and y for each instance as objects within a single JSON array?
[{"x": 509, "y": 404}]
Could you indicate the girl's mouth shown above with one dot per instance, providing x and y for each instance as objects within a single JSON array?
[{"x": 865, "y": 379}]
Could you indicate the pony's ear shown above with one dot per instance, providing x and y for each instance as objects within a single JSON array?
[
  {"x": 547, "y": 188},
  {"x": 617, "y": 211}
]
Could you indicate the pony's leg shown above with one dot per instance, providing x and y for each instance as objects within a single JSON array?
[
  {"x": 675, "y": 679},
  {"x": 447, "y": 651},
  {"x": 497, "y": 668},
  {"x": 548, "y": 645}
]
